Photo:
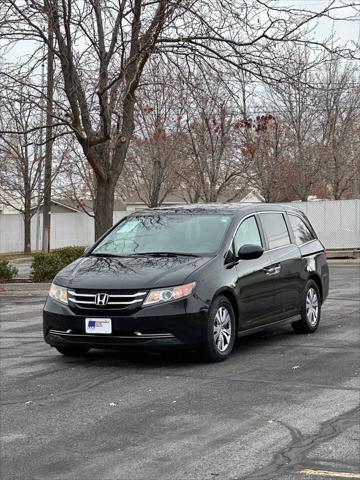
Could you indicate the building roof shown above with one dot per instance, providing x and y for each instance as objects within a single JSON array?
[
  {"x": 172, "y": 199},
  {"x": 85, "y": 204},
  {"x": 80, "y": 206}
]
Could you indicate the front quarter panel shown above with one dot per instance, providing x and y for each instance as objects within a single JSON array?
[{"x": 212, "y": 280}]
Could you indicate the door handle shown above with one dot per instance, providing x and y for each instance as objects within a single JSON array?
[
  {"x": 272, "y": 270},
  {"x": 269, "y": 270}
]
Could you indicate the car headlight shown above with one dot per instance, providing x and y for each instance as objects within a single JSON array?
[
  {"x": 58, "y": 293},
  {"x": 163, "y": 295}
]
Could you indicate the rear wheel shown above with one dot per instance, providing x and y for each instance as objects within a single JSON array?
[
  {"x": 221, "y": 331},
  {"x": 73, "y": 351},
  {"x": 310, "y": 311}
]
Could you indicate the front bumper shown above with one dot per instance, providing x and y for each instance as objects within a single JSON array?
[
  {"x": 170, "y": 325},
  {"x": 58, "y": 338}
]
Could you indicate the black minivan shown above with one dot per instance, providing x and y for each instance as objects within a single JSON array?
[{"x": 194, "y": 276}]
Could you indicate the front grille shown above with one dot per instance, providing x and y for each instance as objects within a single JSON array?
[{"x": 106, "y": 299}]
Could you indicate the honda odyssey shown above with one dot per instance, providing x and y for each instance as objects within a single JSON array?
[{"x": 194, "y": 276}]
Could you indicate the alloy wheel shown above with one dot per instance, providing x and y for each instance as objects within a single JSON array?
[
  {"x": 222, "y": 329},
  {"x": 312, "y": 306}
]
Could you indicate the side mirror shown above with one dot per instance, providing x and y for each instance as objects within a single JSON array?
[{"x": 250, "y": 251}]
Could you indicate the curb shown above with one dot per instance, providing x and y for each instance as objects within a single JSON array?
[{"x": 24, "y": 287}]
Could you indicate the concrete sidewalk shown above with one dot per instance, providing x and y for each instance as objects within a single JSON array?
[
  {"x": 25, "y": 289},
  {"x": 23, "y": 264}
]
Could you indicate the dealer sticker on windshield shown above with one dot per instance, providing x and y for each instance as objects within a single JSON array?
[{"x": 98, "y": 325}]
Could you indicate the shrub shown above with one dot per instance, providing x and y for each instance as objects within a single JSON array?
[
  {"x": 46, "y": 265},
  {"x": 7, "y": 271}
]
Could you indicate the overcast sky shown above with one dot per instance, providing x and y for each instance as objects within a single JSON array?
[{"x": 345, "y": 31}]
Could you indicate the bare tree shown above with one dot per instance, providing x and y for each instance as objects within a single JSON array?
[
  {"x": 20, "y": 162},
  {"x": 338, "y": 102},
  {"x": 190, "y": 187},
  {"x": 75, "y": 180},
  {"x": 267, "y": 148},
  {"x": 103, "y": 46},
  {"x": 150, "y": 168},
  {"x": 214, "y": 142},
  {"x": 296, "y": 102},
  {"x": 154, "y": 152},
  {"x": 100, "y": 76}
]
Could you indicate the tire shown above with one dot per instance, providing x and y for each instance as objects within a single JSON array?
[
  {"x": 310, "y": 309},
  {"x": 72, "y": 351},
  {"x": 221, "y": 331}
]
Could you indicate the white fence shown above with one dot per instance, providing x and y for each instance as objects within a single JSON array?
[
  {"x": 337, "y": 224},
  {"x": 66, "y": 229}
]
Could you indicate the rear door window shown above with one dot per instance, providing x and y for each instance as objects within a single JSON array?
[
  {"x": 275, "y": 229},
  {"x": 302, "y": 233}
]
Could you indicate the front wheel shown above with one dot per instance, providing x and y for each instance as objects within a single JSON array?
[
  {"x": 72, "y": 351},
  {"x": 221, "y": 332},
  {"x": 310, "y": 311}
]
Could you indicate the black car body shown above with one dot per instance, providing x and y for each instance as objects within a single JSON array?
[{"x": 264, "y": 271}]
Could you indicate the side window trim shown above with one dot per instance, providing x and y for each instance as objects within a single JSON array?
[
  {"x": 263, "y": 237},
  {"x": 290, "y": 229}
]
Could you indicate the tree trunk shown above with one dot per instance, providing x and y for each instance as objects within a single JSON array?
[
  {"x": 155, "y": 185},
  {"x": 27, "y": 232},
  {"x": 196, "y": 196},
  {"x": 103, "y": 206},
  {"x": 213, "y": 192}
]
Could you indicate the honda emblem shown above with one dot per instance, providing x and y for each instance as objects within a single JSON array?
[{"x": 101, "y": 299}]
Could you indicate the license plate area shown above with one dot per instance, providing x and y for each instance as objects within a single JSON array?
[{"x": 98, "y": 325}]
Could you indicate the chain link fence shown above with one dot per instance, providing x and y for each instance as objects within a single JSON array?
[{"x": 336, "y": 222}]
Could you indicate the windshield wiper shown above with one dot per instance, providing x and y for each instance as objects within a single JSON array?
[
  {"x": 165, "y": 254},
  {"x": 98, "y": 254}
]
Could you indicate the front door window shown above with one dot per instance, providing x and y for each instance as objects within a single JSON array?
[{"x": 248, "y": 233}]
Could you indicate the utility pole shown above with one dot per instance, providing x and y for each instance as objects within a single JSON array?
[
  {"x": 49, "y": 140},
  {"x": 37, "y": 247}
]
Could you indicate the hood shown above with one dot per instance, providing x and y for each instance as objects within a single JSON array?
[{"x": 128, "y": 272}]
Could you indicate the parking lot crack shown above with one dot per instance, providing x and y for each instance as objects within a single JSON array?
[{"x": 294, "y": 456}]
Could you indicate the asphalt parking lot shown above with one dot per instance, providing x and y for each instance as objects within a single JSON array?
[{"x": 284, "y": 406}]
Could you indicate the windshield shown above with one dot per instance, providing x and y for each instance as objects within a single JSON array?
[{"x": 190, "y": 234}]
